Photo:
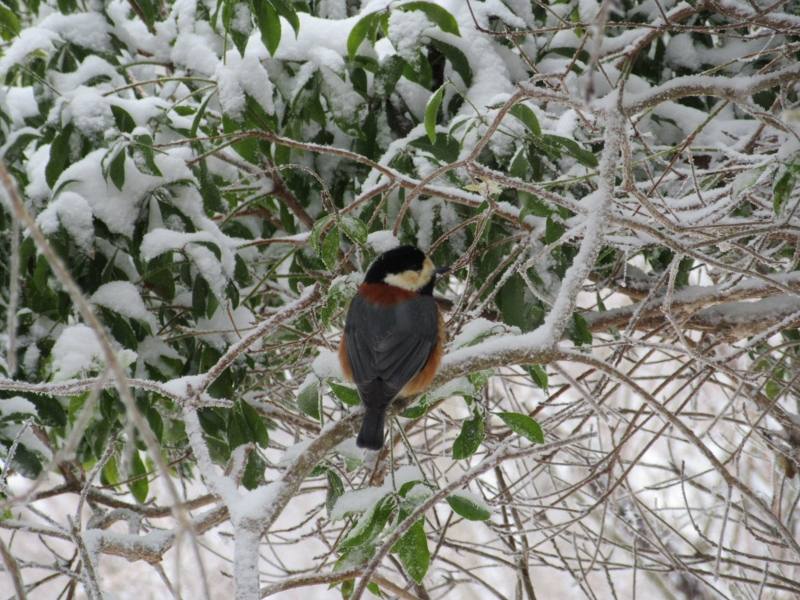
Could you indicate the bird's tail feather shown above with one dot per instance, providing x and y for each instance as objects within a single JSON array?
[{"x": 371, "y": 434}]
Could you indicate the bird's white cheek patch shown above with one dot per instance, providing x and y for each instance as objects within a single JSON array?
[
  {"x": 407, "y": 280},
  {"x": 410, "y": 280}
]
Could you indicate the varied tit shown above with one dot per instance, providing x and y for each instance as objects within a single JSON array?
[{"x": 393, "y": 336}]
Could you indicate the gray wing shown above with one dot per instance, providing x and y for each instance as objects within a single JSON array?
[{"x": 390, "y": 343}]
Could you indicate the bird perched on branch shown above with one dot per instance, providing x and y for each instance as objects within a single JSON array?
[{"x": 393, "y": 336}]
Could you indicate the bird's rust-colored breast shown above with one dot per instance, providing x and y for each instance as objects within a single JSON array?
[
  {"x": 344, "y": 361},
  {"x": 424, "y": 378},
  {"x": 387, "y": 295}
]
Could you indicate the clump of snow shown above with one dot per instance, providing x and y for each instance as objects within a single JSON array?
[
  {"x": 208, "y": 266},
  {"x": 326, "y": 365},
  {"x": 151, "y": 350},
  {"x": 226, "y": 326},
  {"x": 239, "y": 76},
  {"x": 86, "y": 29},
  {"x": 424, "y": 214},
  {"x": 252, "y": 504},
  {"x": 29, "y": 41},
  {"x": 481, "y": 328},
  {"x": 406, "y": 30},
  {"x": 180, "y": 386},
  {"x": 344, "y": 102},
  {"x": 195, "y": 53},
  {"x": 381, "y": 241},
  {"x": 21, "y": 104},
  {"x": 73, "y": 212},
  {"x": 242, "y": 18},
  {"x": 357, "y": 501},
  {"x": 92, "y": 67},
  {"x": 16, "y": 405},
  {"x": 118, "y": 209},
  {"x": 460, "y": 386},
  {"x": 77, "y": 350},
  {"x": 160, "y": 240},
  {"x": 292, "y": 452},
  {"x": 122, "y": 297}
]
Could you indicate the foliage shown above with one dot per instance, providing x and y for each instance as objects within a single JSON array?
[{"x": 210, "y": 169}]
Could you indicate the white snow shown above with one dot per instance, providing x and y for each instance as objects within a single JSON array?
[
  {"x": 29, "y": 41},
  {"x": 238, "y": 76},
  {"x": 406, "y": 32},
  {"x": 480, "y": 328},
  {"x": 383, "y": 240},
  {"x": 77, "y": 350},
  {"x": 16, "y": 405},
  {"x": 122, "y": 297},
  {"x": 356, "y": 501},
  {"x": 226, "y": 326},
  {"x": 73, "y": 212},
  {"x": 119, "y": 209}
]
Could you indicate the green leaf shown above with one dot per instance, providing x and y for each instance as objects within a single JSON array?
[
  {"x": 511, "y": 302},
  {"x": 26, "y": 462},
  {"x": 783, "y": 187},
  {"x": 412, "y": 550},
  {"x": 124, "y": 120},
  {"x": 156, "y": 422},
  {"x": 335, "y": 489},
  {"x": 360, "y": 31},
  {"x": 579, "y": 331},
  {"x": 553, "y": 230},
  {"x": 287, "y": 11},
  {"x": 329, "y": 252},
  {"x": 9, "y": 23},
  {"x": 355, "y": 229},
  {"x": 389, "y": 73},
  {"x": 469, "y": 440},
  {"x": 538, "y": 375},
  {"x": 528, "y": 118},
  {"x": 268, "y": 23},
  {"x": 574, "y": 149},
  {"x": 253, "y": 475},
  {"x": 116, "y": 169},
  {"x": 467, "y": 507},
  {"x": 457, "y": 58},
  {"x": 435, "y": 13},
  {"x": 431, "y": 110},
  {"x": 145, "y": 148},
  {"x": 308, "y": 400},
  {"x": 238, "y": 429},
  {"x": 258, "y": 430},
  {"x": 200, "y": 293},
  {"x": 370, "y": 524},
  {"x": 59, "y": 155},
  {"x": 49, "y": 410},
  {"x": 139, "y": 487},
  {"x": 317, "y": 231},
  {"x": 523, "y": 425},
  {"x": 347, "y": 395},
  {"x": 110, "y": 473}
]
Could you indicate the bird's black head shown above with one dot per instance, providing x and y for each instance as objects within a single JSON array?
[{"x": 405, "y": 267}]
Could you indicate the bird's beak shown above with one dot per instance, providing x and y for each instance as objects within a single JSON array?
[{"x": 442, "y": 270}]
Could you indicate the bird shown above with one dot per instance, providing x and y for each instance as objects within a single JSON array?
[{"x": 393, "y": 335}]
